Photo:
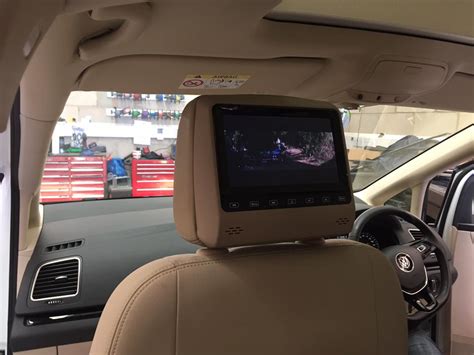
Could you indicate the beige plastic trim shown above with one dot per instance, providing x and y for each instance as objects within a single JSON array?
[
  {"x": 174, "y": 29},
  {"x": 450, "y": 152},
  {"x": 405, "y": 77},
  {"x": 30, "y": 172},
  {"x": 463, "y": 290},
  {"x": 69, "y": 349},
  {"x": 42, "y": 351},
  {"x": 22, "y": 26},
  {"x": 417, "y": 196},
  {"x": 32, "y": 234},
  {"x": 136, "y": 18}
]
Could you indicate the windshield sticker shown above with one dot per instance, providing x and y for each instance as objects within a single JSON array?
[{"x": 209, "y": 81}]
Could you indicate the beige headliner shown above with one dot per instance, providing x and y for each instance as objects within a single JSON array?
[
  {"x": 216, "y": 32},
  {"x": 150, "y": 47},
  {"x": 437, "y": 17}
]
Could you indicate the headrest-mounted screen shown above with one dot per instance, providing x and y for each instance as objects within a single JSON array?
[
  {"x": 279, "y": 157},
  {"x": 255, "y": 169}
]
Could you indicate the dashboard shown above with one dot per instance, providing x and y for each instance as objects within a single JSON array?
[
  {"x": 383, "y": 231},
  {"x": 88, "y": 248}
]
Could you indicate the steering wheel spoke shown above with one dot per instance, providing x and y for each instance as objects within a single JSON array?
[
  {"x": 424, "y": 247},
  {"x": 424, "y": 300}
]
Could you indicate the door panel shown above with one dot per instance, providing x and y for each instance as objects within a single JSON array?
[
  {"x": 457, "y": 224},
  {"x": 454, "y": 221},
  {"x": 462, "y": 311}
]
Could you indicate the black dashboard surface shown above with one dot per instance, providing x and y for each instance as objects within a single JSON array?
[{"x": 118, "y": 236}]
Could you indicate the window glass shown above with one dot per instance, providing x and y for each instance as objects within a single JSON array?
[
  {"x": 381, "y": 138},
  {"x": 401, "y": 200},
  {"x": 118, "y": 145},
  {"x": 434, "y": 196}
]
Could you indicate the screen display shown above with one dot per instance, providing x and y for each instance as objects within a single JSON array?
[
  {"x": 279, "y": 157},
  {"x": 279, "y": 151}
]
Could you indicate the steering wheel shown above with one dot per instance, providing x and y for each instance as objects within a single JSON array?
[{"x": 408, "y": 262}]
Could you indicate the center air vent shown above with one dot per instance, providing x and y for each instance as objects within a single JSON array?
[
  {"x": 57, "y": 279},
  {"x": 416, "y": 233}
]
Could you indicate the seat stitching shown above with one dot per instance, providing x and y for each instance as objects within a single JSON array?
[{"x": 174, "y": 268}]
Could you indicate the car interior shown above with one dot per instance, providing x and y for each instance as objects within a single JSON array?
[{"x": 282, "y": 232}]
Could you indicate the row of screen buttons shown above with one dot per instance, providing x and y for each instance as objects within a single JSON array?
[{"x": 290, "y": 202}]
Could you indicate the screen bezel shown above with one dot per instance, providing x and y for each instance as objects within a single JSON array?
[{"x": 220, "y": 110}]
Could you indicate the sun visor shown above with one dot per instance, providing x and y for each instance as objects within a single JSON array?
[
  {"x": 254, "y": 169},
  {"x": 174, "y": 74}
]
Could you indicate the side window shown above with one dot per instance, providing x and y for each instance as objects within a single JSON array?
[
  {"x": 401, "y": 200},
  {"x": 464, "y": 216},
  {"x": 434, "y": 196}
]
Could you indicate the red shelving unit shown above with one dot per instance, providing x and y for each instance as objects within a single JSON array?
[
  {"x": 71, "y": 178},
  {"x": 152, "y": 178}
]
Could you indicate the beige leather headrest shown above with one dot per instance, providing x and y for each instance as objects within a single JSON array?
[{"x": 197, "y": 210}]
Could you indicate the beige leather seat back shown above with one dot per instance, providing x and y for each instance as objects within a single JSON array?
[{"x": 307, "y": 297}]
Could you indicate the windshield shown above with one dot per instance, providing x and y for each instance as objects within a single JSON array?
[
  {"x": 379, "y": 139},
  {"x": 122, "y": 145}
]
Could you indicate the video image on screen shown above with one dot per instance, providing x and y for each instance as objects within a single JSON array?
[{"x": 280, "y": 157}]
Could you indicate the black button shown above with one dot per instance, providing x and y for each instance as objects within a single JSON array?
[
  {"x": 254, "y": 204},
  {"x": 273, "y": 203},
  {"x": 341, "y": 198},
  {"x": 421, "y": 248},
  {"x": 291, "y": 201},
  {"x": 309, "y": 200},
  {"x": 325, "y": 199},
  {"x": 234, "y": 205}
]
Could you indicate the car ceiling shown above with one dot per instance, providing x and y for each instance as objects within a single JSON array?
[
  {"x": 130, "y": 45},
  {"x": 434, "y": 18}
]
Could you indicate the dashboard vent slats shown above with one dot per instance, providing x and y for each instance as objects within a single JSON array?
[
  {"x": 65, "y": 245},
  {"x": 416, "y": 233},
  {"x": 57, "y": 279}
]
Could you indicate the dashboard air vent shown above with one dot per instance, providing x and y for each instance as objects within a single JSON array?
[
  {"x": 416, "y": 234},
  {"x": 65, "y": 245},
  {"x": 57, "y": 279}
]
